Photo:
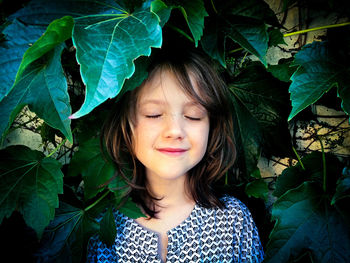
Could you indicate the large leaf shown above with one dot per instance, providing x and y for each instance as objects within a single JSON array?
[
  {"x": 97, "y": 170},
  {"x": 66, "y": 237},
  {"x": 30, "y": 184},
  {"x": 305, "y": 221},
  {"x": 320, "y": 69},
  {"x": 107, "y": 45},
  {"x": 40, "y": 82},
  {"x": 18, "y": 37},
  {"x": 261, "y": 109},
  {"x": 244, "y": 22}
]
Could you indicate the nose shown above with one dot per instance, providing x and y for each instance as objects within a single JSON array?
[{"x": 174, "y": 127}]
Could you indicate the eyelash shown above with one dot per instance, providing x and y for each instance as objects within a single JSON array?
[{"x": 157, "y": 116}]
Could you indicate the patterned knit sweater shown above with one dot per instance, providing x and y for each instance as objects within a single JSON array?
[{"x": 207, "y": 235}]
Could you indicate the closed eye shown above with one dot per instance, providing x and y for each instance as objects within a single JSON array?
[
  {"x": 193, "y": 118},
  {"x": 153, "y": 116}
]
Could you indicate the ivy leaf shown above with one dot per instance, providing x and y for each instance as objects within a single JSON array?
[
  {"x": 342, "y": 190},
  {"x": 244, "y": 22},
  {"x": 194, "y": 13},
  {"x": 95, "y": 168},
  {"x": 162, "y": 10},
  {"x": 118, "y": 39},
  {"x": 40, "y": 82},
  {"x": 319, "y": 70},
  {"x": 66, "y": 238},
  {"x": 292, "y": 177},
  {"x": 257, "y": 188},
  {"x": 283, "y": 71},
  {"x": 131, "y": 210},
  {"x": 30, "y": 184},
  {"x": 305, "y": 221},
  {"x": 18, "y": 38},
  {"x": 260, "y": 109},
  {"x": 108, "y": 229}
]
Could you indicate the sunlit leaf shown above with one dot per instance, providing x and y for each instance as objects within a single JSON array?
[
  {"x": 30, "y": 183},
  {"x": 319, "y": 70},
  {"x": 119, "y": 38},
  {"x": 40, "y": 83},
  {"x": 304, "y": 220}
]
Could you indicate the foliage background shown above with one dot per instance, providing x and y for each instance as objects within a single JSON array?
[{"x": 50, "y": 198}]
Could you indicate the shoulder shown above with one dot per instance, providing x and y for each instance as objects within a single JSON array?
[{"x": 234, "y": 206}]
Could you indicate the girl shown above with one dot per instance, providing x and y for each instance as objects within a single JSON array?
[{"x": 176, "y": 133}]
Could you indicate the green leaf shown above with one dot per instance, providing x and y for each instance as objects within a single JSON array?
[
  {"x": 18, "y": 38},
  {"x": 107, "y": 61},
  {"x": 294, "y": 176},
  {"x": 108, "y": 229},
  {"x": 276, "y": 37},
  {"x": 194, "y": 13},
  {"x": 319, "y": 70},
  {"x": 244, "y": 22},
  {"x": 30, "y": 183},
  {"x": 41, "y": 83},
  {"x": 257, "y": 188},
  {"x": 342, "y": 190},
  {"x": 306, "y": 222},
  {"x": 66, "y": 238},
  {"x": 56, "y": 33},
  {"x": 97, "y": 170},
  {"x": 162, "y": 10},
  {"x": 260, "y": 110},
  {"x": 283, "y": 71},
  {"x": 131, "y": 210}
]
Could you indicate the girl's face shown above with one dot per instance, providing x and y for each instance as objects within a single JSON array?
[{"x": 170, "y": 135}]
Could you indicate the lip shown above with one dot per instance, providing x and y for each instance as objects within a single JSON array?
[{"x": 172, "y": 151}]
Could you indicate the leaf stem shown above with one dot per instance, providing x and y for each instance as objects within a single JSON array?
[
  {"x": 298, "y": 157},
  {"x": 181, "y": 32},
  {"x": 235, "y": 50},
  {"x": 315, "y": 29},
  {"x": 97, "y": 201},
  {"x": 57, "y": 148},
  {"x": 212, "y": 4},
  {"x": 324, "y": 167}
]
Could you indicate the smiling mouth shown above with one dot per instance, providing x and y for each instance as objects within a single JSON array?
[{"x": 172, "y": 151}]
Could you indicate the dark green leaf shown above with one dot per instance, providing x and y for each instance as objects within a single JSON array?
[
  {"x": 30, "y": 183},
  {"x": 194, "y": 13},
  {"x": 108, "y": 229},
  {"x": 319, "y": 70},
  {"x": 131, "y": 210},
  {"x": 66, "y": 238},
  {"x": 343, "y": 190},
  {"x": 283, "y": 71},
  {"x": 242, "y": 21},
  {"x": 276, "y": 37},
  {"x": 257, "y": 188},
  {"x": 261, "y": 108},
  {"x": 305, "y": 221},
  {"x": 162, "y": 10},
  {"x": 18, "y": 39},
  {"x": 294, "y": 176},
  {"x": 95, "y": 168},
  {"x": 41, "y": 83},
  {"x": 119, "y": 38}
]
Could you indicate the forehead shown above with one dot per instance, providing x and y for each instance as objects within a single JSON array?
[{"x": 165, "y": 85}]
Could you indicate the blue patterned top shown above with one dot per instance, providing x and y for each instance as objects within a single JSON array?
[{"x": 207, "y": 235}]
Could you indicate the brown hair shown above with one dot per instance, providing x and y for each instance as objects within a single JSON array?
[{"x": 221, "y": 152}]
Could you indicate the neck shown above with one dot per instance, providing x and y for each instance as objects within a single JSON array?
[{"x": 173, "y": 193}]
